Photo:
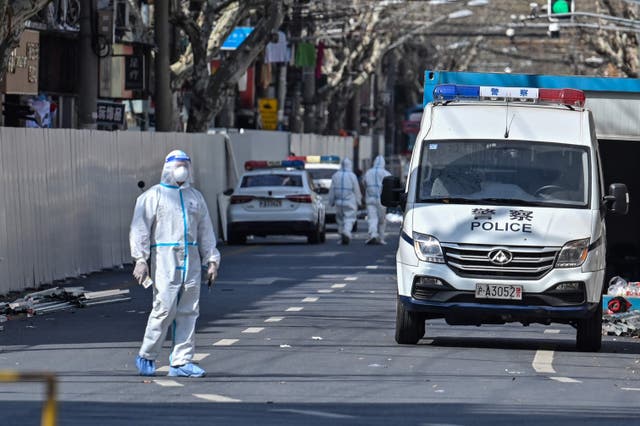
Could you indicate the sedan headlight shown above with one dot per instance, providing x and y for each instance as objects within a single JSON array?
[
  {"x": 427, "y": 248},
  {"x": 573, "y": 254}
]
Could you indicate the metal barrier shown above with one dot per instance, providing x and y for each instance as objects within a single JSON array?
[{"x": 50, "y": 407}]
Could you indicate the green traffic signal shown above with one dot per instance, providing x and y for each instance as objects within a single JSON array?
[{"x": 560, "y": 6}]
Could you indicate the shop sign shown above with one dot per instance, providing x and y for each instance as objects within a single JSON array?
[{"x": 21, "y": 77}]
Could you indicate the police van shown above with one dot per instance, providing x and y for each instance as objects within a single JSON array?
[{"x": 504, "y": 212}]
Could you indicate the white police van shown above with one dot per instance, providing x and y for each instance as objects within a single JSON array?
[{"x": 504, "y": 213}]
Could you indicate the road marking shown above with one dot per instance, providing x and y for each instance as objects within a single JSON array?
[
  {"x": 371, "y": 267},
  {"x": 212, "y": 397},
  {"x": 274, "y": 319},
  {"x": 351, "y": 278},
  {"x": 543, "y": 361},
  {"x": 325, "y": 290},
  {"x": 631, "y": 389},
  {"x": 253, "y": 330},
  {"x": 552, "y": 332},
  {"x": 338, "y": 286},
  {"x": 163, "y": 369},
  {"x": 225, "y": 342},
  {"x": 199, "y": 357},
  {"x": 310, "y": 299},
  {"x": 565, "y": 380},
  {"x": 294, "y": 309},
  {"x": 168, "y": 383},
  {"x": 324, "y": 414}
]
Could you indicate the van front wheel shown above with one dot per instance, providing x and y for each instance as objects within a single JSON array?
[
  {"x": 589, "y": 334},
  {"x": 410, "y": 327}
]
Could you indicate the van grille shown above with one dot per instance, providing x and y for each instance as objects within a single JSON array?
[{"x": 473, "y": 261}]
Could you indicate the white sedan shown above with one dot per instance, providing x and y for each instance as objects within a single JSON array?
[{"x": 275, "y": 198}]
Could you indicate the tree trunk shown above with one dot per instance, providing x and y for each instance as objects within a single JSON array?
[{"x": 205, "y": 108}]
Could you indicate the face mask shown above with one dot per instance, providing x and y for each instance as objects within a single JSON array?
[{"x": 180, "y": 174}]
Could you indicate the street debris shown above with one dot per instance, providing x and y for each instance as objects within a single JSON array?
[
  {"x": 626, "y": 324},
  {"x": 58, "y": 299}
]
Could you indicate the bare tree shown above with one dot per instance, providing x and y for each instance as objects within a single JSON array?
[
  {"x": 206, "y": 32},
  {"x": 13, "y": 15}
]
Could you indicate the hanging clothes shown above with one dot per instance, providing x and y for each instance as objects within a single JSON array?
[
  {"x": 277, "y": 52},
  {"x": 305, "y": 55},
  {"x": 319, "y": 59}
]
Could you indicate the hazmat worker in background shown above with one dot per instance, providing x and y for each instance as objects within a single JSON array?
[
  {"x": 345, "y": 195},
  {"x": 376, "y": 212},
  {"x": 172, "y": 229}
]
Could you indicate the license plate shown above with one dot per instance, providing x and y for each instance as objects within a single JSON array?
[
  {"x": 270, "y": 203},
  {"x": 499, "y": 291}
]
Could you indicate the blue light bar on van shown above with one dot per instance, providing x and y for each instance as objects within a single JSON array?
[{"x": 452, "y": 92}]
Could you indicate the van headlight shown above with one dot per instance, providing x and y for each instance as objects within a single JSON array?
[
  {"x": 427, "y": 248},
  {"x": 573, "y": 254}
]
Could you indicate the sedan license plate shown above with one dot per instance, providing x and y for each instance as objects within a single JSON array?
[
  {"x": 270, "y": 203},
  {"x": 499, "y": 291}
]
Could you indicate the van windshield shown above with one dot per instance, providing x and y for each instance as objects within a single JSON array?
[{"x": 504, "y": 173}]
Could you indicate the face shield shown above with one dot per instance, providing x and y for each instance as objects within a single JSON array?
[{"x": 177, "y": 169}]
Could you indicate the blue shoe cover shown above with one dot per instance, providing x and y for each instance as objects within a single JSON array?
[
  {"x": 146, "y": 367},
  {"x": 187, "y": 370}
]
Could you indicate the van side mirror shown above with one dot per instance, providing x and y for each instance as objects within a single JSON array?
[
  {"x": 392, "y": 192},
  {"x": 228, "y": 192},
  {"x": 618, "y": 199}
]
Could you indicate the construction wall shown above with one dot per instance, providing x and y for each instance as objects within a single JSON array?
[{"x": 68, "y": 196}]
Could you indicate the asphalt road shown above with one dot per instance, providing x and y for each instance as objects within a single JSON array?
[{"x": 295, "y": 334}]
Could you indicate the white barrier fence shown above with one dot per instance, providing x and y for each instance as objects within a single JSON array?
[{"x": 68, "y": 195}]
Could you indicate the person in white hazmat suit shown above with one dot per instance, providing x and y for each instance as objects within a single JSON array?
[
  {"x": 171, "y": 228},
  {"x": 376, "y": 212},
  {"x": 345, "y": 195}
]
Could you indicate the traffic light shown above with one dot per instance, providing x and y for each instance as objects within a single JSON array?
[{"x": 560, "y": 10}]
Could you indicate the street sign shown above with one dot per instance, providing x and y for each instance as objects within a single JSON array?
[
  {"x": 268, "y": 108},
  {"x": 235, "y": 39}
]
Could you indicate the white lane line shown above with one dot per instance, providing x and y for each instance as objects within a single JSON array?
[
  {"x": 552, "y": 332},
  {"x": 225, "y": 342},
  {"x": 212, "y": 397},
  {"x": 371, "y": 267},
  {"x": 351, "y": 278},
  {"x": 325, "y": 291},
  {"x": 163, "y": 369},
  {"x": 294, "y": 309},
  {"x": 200, "y": 357},
  {"x": 631, "y": 389},
  {"x": 310, "y": 299},
  {"x": 315, "y": 413},
  {"x": 338, "y": 286},
  {"x": 543, "y": 361},
  {"x": 565, "y": 380},
  {"x": 168, "y": 383},
  {"x": 274, "y": 319},
  {"x": 253, "y": 330}
]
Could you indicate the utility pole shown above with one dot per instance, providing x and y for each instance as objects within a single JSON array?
[
  {"x": 162, "y": 95},
  {"x": 88, "y": 72}
]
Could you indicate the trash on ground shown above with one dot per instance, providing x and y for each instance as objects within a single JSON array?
[
  {"x": 626, "y": 324},
  {"x": 57, "y": 299},
  {"x": 618, "y": 286}
]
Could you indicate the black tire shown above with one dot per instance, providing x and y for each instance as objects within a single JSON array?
[
  {"x": 410, "y": 326},
  {"x": 234, "y": 238},
  {"x": 314, "y": 236},
  {"x": 589, "y": 332}
]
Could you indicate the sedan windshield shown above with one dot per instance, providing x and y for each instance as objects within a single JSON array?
[
  {"x": 271, "y": 180},
  {"x": 504, "y": 173}
]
